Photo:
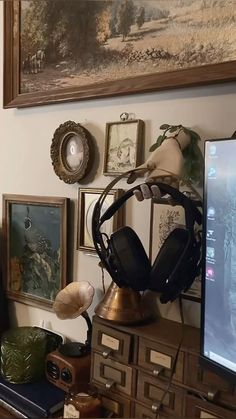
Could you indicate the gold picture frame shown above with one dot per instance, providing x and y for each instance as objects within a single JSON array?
[
  {"x": 71, "y": 152},
  {"x": 35, "y": 248},
  {"x": 86, "y": 201},
  {"x": 123, "y": 146}
]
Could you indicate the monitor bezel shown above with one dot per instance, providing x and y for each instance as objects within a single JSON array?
[{"x": 204, "y": 360}]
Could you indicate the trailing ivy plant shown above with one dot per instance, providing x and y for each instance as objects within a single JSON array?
[{"x": 193, "y": 158}]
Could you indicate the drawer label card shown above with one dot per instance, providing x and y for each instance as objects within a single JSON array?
[
  {"x": 110, "y": 342},
  {"x": 206, "y": 415},
  {"x": 160, "y": 359},
  {"x": 111, "y": 405}
]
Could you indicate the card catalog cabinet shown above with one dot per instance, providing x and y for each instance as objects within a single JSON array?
[{"x": 131, "y": 367}]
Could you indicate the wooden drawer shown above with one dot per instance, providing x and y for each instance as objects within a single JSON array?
[
  {"x": 212, "y": 385},
  {"x": 111, "y": 374},
  {"x": 150, "y": 391},
  {"x": 159, "y": 359},
  {"x": 197, "y": 408},
  {"x": 111, "y": 343},
  {"x": 115, "y": 404},
  {"x": 141, "y": 411}
]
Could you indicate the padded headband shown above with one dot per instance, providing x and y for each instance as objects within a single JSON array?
[{"x": 192, "y": 213}]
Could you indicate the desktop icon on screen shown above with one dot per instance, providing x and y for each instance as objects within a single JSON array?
[
  {"x": 212, "y": 149},
  {"x": 210, "y": 234},
  {"x": 211, "y": 212},
  {"x": 211, "y": 172},
  {"x": 210, "y": 252},
  {"x": 210, "y": 273}
]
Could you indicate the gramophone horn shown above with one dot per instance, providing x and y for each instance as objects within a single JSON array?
[
  {"x": 122, "y": 305},
  {"x": 73, "y": 300}
]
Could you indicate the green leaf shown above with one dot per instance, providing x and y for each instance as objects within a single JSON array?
[
  {"x": 158, "y": 142},
  {"x": 194, "y": 135},
  {"x": 173, "y": 129},
  {"x": 165, "y": 126},
  {"x": 160, "y": 139},
  {"x": 153, "y": 147},
  {"x": 186, "y": 130}
]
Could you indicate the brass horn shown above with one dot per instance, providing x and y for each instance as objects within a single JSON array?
[{"x": 123, "y": 306}]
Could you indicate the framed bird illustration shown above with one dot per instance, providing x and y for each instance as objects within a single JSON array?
[{"x": 35, "y": 234}]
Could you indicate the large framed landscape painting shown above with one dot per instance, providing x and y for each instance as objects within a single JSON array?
[
  {"x": 35, "y": 242},
  {"x": 65, "y": 50}
]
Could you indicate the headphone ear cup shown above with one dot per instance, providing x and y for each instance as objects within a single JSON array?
[
  {"x": 129, "y": 258},
  {"x": 168, "y": 258}
]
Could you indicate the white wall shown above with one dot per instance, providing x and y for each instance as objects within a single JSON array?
[{"x": 25, "y": 164}]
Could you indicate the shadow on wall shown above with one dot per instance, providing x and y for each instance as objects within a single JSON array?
[
  {"x": 94, "y": 159},
  {"x": 191, "y": 309}
]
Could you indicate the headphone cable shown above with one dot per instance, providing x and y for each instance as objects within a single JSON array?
[{"x": 175, "y": 358}]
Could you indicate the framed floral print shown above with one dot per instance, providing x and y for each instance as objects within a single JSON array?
[{"x": 164, "y": 219}]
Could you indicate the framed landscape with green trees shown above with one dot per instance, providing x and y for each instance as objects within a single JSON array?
[{"x": 64, "y": 50}]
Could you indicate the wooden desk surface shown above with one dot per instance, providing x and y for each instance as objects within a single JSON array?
[{"x": 5, "y": 414}]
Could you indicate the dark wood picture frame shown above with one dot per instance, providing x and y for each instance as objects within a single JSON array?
[
  {"x": 85, "y": 210},
  {"x": 201, "y": 75},
  {"x": 125, "y": 139},
  {"x": 35, "y": 248}
]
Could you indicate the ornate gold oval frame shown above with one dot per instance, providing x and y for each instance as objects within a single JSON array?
[{"x": 66, "y": 132}]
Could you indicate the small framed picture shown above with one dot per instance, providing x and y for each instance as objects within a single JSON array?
[
  {"x": 35, "y": 242},
  {"x": 87, "y": 200},
  {"x": 164, "y": 219},
  {"x": 123, "y": 146},
  {"x": 71, "y": 152}
]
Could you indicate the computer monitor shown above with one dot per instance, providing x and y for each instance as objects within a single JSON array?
[{"x": 218, "y": 312}]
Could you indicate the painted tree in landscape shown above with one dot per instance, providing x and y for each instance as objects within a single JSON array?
[
  {"x": 126, "y": 18},
  {"x": 63, "y": 28},
  {"x": 103, "y": 30},
  {"x": 140, "y": 17},
  {"x": 115, "y": 5},
  {"x": 92, "y": 41}
]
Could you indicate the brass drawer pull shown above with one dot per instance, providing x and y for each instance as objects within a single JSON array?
[
  {"x": 211, "y": 394},
  {"x": 157, "y": 371},
  {"x": 155, "y": 407},
  {"x": 106, "y": 354},
  {"x": 109, "y": 384}
]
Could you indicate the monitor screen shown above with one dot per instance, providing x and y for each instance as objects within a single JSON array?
[{"x": 218, "y": 320}]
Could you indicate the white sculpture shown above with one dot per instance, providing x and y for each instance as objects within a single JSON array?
[{"x": 165, "y": 164}]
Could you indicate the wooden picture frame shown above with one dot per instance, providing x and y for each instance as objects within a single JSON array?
[
  {"x": 35, "y": 248},
  {"x": 142, "y": 60},
  {"x": 123, "y": 146},
  {"x": 164, "y": 219},
  {"x": 86, "y": 201},
  {"x": 71, "y": 152}
]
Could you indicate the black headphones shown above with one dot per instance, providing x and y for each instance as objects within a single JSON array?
[{"x": 177, "y": 263}]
